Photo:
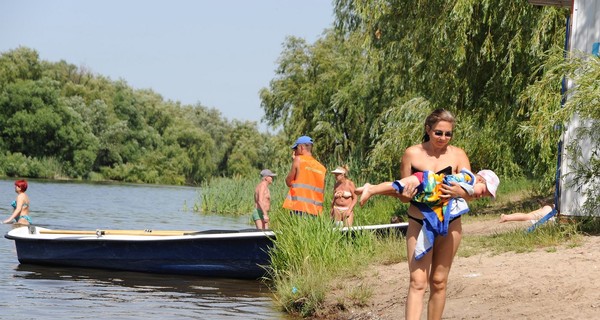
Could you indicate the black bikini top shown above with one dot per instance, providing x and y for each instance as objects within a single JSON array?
[{"x": 447, "y": 170}]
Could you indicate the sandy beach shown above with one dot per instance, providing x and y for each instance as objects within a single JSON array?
[{"x": 548, "y": 283}]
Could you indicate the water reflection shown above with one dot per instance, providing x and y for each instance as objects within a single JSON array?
[
  {"x": 129, "y": 295},
  {"x": 148, "y": 281}
]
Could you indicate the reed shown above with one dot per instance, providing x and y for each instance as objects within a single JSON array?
[
  {"x": 235, "y": 196},
  {"x": 307, "y": 262},
  {"x": 380, "y": 210},
  {"x": 227, "y": 196}
]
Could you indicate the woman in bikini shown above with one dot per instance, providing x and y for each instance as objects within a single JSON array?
[
  {"x": 344, "y": 199},
  {"x": 21, "y": 205},
  {"x": 434, "y": 154}
]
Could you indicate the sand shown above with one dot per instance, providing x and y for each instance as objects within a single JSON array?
[{"x": 548, "y": 283}]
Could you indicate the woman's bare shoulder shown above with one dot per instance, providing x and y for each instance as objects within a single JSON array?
[
  {"x": 350, "y": 184},
  {"x": 411, "y": 154},
  {"x": 414, "y": 150},
  {"x": 460, "y": 158},
  {"x": 457, "y": 151}
]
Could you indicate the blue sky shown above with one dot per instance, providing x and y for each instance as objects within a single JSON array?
[{"x": 219, "y": 53}]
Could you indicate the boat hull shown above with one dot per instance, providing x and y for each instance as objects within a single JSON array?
[
  {"x": 230, "y": 255},
  {"x": 213, "y": 253}
]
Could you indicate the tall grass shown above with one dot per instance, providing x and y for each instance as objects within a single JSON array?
[
  {"x": 235, "y": 196},
  {"x": 310, "y": 253},
  {"x": 380, "y": 210},
  {"x": 549, "y": 235},
  {"x": 228, "y": 195}
]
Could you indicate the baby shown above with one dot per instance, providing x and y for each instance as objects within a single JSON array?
[
  {"x": 438, "y": 209},
  {"x": 429, "y": 186}
]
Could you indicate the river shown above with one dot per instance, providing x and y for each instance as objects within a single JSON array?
[{"x": 41, "y": 292}]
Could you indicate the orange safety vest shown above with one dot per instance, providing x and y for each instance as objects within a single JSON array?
[{"x": 307, "y": 191}]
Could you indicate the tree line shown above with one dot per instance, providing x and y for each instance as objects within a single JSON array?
[{"x": 58, "y": 120}]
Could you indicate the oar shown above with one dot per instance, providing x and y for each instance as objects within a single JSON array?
[{"x": 147, "y": 232}]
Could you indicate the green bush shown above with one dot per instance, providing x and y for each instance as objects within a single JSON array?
[{"x": 19, "y": 165}]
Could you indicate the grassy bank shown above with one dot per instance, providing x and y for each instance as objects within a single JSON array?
[{"x": 307, "y": 260}]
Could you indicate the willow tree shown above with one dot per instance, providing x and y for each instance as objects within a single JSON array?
[
  {"x": 547, "y": 114},
  {"x": 323, "y": 90},
  {"x": 471, "y": 57}
]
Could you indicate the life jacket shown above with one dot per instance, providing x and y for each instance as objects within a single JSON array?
[{"x": 307, "y": 191}]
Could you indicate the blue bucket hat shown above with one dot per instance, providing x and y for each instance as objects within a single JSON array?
[{"x": 302, "y": 140}]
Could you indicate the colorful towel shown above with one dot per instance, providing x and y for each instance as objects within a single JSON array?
[{"x": 437, "y": 211}]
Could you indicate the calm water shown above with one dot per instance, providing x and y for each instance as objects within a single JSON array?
[{"x": 37, "y": 292}]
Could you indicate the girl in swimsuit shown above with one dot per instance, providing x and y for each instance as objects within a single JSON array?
[
  {"x": 21, "y": 205},
  {"x": 344, "y": 199}
]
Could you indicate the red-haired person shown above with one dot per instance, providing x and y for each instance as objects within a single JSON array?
[{"x": 21, "y": 205}]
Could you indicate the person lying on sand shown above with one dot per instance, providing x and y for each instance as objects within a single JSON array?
[{"x": 533, "y": 215}]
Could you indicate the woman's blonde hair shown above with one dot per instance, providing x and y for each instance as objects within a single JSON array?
[{"x": 346, "y": 169}]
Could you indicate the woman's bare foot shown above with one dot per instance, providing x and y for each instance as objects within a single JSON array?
[
  {"x": 503, "y": 218},
  {"x": 365, "y": 193}
]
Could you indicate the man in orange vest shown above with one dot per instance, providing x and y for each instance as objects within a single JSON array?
[{"x": 306, "y": 180}]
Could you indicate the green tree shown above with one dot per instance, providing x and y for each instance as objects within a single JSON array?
[
  {"x": 20, "y": 64},
  {"x": 243, "y": 155},
  {"x": 547, "y": 116},
  {"x": 383, "y": 67}
]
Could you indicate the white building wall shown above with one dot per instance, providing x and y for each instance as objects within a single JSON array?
[{"x": 584, "y": 37}]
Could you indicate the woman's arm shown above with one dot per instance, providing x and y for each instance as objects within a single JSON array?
[
  {"x": 17, "y": 210},
  {"x": 331, "y": 213},
  {"x": 354, "y": 197},
  {"x": 410, "y": 189}
]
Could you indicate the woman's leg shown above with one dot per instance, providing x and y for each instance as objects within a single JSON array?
[
  {"x": 443, "y": 252},
  {"x": 348, "y": 219},
  {"x": 336, "y": 215},
  {"x": 419, "y": 269}
]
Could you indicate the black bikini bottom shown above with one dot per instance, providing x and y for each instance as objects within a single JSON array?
[{"x": 420, "y": 221}]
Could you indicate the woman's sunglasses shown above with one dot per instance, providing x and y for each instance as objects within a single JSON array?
[{"x": 440, "y": 133}]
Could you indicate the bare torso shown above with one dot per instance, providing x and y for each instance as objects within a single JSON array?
[
  {"x": 421, "y": 158},
  {"x": 343, "y": 194}
]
